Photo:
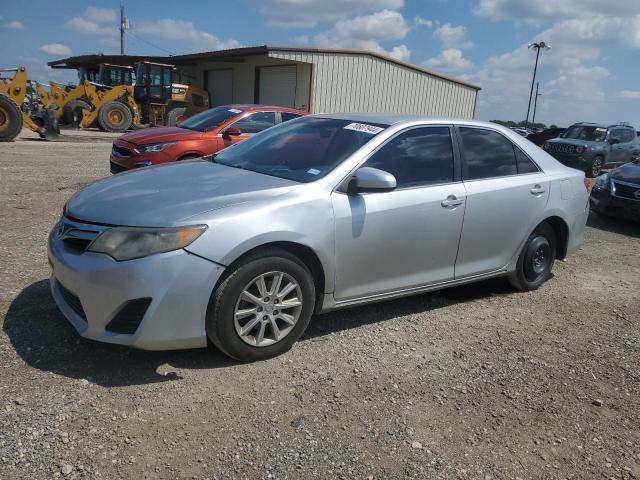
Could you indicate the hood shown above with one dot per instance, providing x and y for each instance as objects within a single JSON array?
[
  {"x": 159, "y": 134},
  {"x": 629, "y": 172},
  {"x": 166, "y": 195}
]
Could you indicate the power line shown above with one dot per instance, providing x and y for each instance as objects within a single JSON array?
[{"x": 149, "y": 43}]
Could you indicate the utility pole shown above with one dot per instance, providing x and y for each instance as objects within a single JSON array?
[
  {"x": 537, "y": 47},
  {"x": 122, "y": 27},
  {"x": 535, "y": 104}
]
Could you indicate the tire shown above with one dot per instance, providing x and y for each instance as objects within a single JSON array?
[
  {"x": 72, "y": 111},
  {"x": 530, "y": 273},
  {"x": 10, "y": 119},
  {"x": 594, "y": 167},
  {"x": 225, "y": 331},
  {"x": 176, "y": 115},
  {"x": 115, "y": 117}
]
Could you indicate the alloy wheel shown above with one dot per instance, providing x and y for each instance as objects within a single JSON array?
[{"x": 268, "y": 309}]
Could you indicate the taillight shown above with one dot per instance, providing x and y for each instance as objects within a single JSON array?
[{"x": 587, "y": 184}]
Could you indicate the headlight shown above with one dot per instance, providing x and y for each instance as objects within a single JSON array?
[
  {"x": 153, "y": 147},
  {"x": 127, "y": 243},
  {"x": 601, "y": 181},
  {"x": 579, "y": 149}
]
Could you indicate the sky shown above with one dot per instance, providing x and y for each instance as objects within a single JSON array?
[{"x": 591, "y": 73}]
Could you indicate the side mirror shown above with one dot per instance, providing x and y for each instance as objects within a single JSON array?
[
  {"x": 231, "y": 132},
  {"x": 613, "y": 141},
  {"x": 368, "y": 179}
]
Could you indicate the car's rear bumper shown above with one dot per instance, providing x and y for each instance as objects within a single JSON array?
[{"x": 171, "y": 290}]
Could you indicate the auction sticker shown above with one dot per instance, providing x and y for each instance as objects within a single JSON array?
[{"x": 363, "y": 127}]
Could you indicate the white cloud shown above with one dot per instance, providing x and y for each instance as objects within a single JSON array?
[
  {"x": 56, "y": 49},
  {"x": 423, "y": 21},
  {"x": 15, "y": 25},
  {"x": 554, "y": 9},
  {"x": 101, "y": 22},
  {"x": 450, "y": 60},
  {"x": 631, "y": 94},
  {"x": 452, "y": 37},
  {"x": 309, "y": 13},
  {"x": 366, "y": 32},
  {"x": 401, "y": 52},
  {"x": 183, "y": 30}
]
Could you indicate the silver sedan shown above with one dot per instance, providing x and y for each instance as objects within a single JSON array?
[{"x": 320, "y": 213}]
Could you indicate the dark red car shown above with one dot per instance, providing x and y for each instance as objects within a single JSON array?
[{"x": 202, "y": 134}]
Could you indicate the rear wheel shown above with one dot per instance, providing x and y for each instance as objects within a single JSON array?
[
  {"x": 536, "y": 259},
  {"x": 176, "y": 115},
  {"x": 262, "y": 307},
  {"x": 115, "y": 117},
  {"x": 10, "y": 119},
  {"x": 72, "y": 111}
]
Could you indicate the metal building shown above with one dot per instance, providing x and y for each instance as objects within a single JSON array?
[{"x": 315, "y": 79}]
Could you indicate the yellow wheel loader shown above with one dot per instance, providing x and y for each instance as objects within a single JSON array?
[
  {"x": 20, "y": 106},
  {"x": 153, "y": 100}
]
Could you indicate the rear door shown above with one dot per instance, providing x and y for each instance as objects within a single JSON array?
[{"x": 506, "y": 193}]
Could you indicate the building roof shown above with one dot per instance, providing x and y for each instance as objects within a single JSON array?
[{"x": 234, "y": 54}]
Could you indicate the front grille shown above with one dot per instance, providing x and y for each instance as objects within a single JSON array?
[
  {"x": 73, "y": 301},
  {"x": 626, "y": 190},
  {"x": 76, "y": 238},
  {"x": 129, "y": 317},
  {"x": 561, "y": 148},
  {"x": 121, "y": 151},
  {"x": 115, "y": 168}
]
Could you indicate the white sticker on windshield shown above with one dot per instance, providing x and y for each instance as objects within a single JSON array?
[
  {"x": 363, "y": 127},
  {"x": 235, "y": 110},
  {"x": 313, "y": 171}
]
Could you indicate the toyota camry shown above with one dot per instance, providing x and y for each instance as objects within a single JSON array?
[{"x": 318, "y": 213}]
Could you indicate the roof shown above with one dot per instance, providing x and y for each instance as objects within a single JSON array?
[
  {"x": 234, "y": 54},
  {"x": 396, "y": 118}
]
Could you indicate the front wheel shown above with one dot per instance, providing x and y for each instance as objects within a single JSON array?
[
  {"x": 536, "y": 259},
  {"x": 115, "y": 117},
  {"x": 262, "y": 307}
]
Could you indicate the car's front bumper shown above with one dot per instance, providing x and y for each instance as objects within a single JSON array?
[
  {"x": 178, "y": 283},
  {"x": 603, "y": 201}
]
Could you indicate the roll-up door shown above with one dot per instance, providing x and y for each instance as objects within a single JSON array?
[{"x": 277, "y": 85}]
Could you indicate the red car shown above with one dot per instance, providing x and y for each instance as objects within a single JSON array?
[{"x": 199, "y": 135}]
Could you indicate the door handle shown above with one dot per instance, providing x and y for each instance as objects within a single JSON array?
[
  {"x": 451, "y": 202},
  {"x": 537, "y": 190}
]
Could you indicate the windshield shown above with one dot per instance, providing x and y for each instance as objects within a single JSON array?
[
  {"x": 209, "y": 119},
  {"x": 302, "y": 150},
  {"x": 588, "y": 133}
]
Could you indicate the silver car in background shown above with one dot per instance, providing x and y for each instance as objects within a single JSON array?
[{"x": 322, "y": 212}]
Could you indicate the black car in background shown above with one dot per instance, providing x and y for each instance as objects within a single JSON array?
[
  {"x": 617, "y": 193},
  {"x": 539, "y": 138}
]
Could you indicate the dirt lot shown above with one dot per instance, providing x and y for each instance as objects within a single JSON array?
[{"x": 472, "y": 382}]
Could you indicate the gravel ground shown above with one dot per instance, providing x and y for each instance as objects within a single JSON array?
[{"x": 471, "y": 382}]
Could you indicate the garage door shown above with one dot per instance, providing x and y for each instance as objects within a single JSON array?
[
  {"x": 277, "y": 86},
  {"x": 220, "y": 87}
]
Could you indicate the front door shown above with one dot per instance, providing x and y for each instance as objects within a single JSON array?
[
  {"x": 407, "y": 237},
  {"x": 506, "y": 193}
]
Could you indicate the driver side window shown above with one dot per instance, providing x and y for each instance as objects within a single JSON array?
[{"x": 256, "y": 122}]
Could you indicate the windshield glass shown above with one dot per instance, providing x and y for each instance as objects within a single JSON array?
[
  {"x": 205, "y": 121},
  {"x": 588, "y": 133},
  {"x": 302, "y": 150}
]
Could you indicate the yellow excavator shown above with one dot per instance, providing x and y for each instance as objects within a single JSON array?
[{"x": 21, "y": 106}]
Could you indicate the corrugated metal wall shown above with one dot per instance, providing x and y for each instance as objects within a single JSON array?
[{"x": 362, "y": 83}]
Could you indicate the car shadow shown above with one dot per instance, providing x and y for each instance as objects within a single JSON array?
[
  {"x": 614, "y": 225},
  {"x": 45, "y": 340}
]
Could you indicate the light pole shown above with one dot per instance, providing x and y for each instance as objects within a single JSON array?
[
  {"x": 537, "y": 47},
  {"x": 535, "y": 104}
]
